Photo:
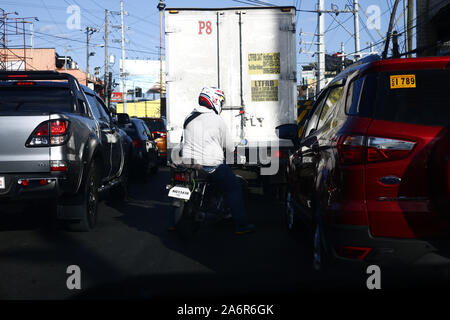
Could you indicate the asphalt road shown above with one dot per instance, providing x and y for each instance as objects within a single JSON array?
[{"x": 132, "y": 255}]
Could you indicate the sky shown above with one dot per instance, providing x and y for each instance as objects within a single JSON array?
[{"x": 51, "y": 31}]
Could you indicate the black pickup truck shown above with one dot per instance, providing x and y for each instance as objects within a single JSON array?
[{"x": 59, "y": 142}]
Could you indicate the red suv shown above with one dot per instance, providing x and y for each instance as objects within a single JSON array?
[{"x": 371, "y": 169}]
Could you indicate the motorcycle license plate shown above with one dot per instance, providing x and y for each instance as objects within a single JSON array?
[{"x": 180, "y": 193}]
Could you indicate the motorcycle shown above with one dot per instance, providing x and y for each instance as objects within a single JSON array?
[{"x": 196, "y": 198}]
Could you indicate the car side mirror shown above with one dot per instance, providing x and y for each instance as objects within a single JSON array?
[
  {"x": 123, "y": 118},
  {"x": 288, "y": 131}
]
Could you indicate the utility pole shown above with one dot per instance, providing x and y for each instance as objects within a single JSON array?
[
  {"x": 342, "y": 56},
  {"x": 389, "y": 32},
  {"x": 122, "y": 41},
  {"x": 122, "y": 69},
  {"x": 161, "y": 6},
  {"x": 31, "y": 34},
  {"x": 405, "y": 23},
  {"x": 105, "y": 81},
  {"x": 410, "y": 25},
  {"x": 320, "y": 46},
  {"x": 65, "y": 58},
  {"x": 89, "y": 31},
  {"x": 356, "y": 25},
  {"x": 395, "y": 47}
]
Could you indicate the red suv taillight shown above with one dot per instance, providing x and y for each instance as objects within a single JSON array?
[
  {"x": 383, "y": 149},
  {"x": 357, "y": 149},
  {"x": 49, "y": 133},
  {"x": 351, "y": 149}
]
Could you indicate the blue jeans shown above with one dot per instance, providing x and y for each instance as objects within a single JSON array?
[{"x": 229, "y": 184}]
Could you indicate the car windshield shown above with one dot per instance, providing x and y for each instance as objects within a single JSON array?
[
  {"x": 131, "y": 131},
  {"x": 416, "y": 97},
  {"x": 155, "y": 125},
  {"x": 34, "y": 99}
]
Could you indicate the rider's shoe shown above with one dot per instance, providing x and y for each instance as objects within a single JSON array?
[{"x": 243, "y": 229}]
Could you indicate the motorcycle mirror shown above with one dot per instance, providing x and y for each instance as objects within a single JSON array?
[{"x": 244, "y": 142}]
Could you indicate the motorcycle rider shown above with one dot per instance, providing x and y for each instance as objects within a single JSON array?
[{"x": 205, "y": 137}]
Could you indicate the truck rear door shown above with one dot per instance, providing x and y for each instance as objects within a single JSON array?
[{"x": 249, "y": 53}]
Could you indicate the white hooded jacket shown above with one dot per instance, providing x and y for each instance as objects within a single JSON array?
[{"x": 205, "y": 138}]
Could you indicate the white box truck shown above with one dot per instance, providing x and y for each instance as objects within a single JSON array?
[{"x": 250, "y": 53}]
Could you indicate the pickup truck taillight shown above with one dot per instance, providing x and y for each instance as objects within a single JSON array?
[
  {"x": 49, "y": 133},
  {"x": 356, "y": 149}
]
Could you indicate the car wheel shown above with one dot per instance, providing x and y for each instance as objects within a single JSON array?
[{"x": 88, "y": 208}]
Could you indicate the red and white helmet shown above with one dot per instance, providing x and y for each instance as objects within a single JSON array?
[{"x": 212, "y": 98}]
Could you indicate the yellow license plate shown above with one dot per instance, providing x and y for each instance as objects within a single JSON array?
[{"x": 403, "y": 81}]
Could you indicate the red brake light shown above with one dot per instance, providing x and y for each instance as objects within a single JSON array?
[
  {"x": 182, "y": 177},
  {"x": 28, "y": 83},
  {"x": 160, "y": 134},
  {"x": 58, "y": 165},
  {"x": 53, "y": 132},
  {"x": 351, "y": 149},
  {"x": 17, "y": 76},
  {"x": 384, "y": 149},
  {"x": 359, "y": 149},
  {"x": 58, "y": 127},
  {"x": 42, "y": 130}
]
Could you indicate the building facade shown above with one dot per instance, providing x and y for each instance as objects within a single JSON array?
[
  {"x": 47, "y": 59},
  {"x": 433, "y": 27}
]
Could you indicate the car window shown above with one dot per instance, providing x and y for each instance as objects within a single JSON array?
[
  {"x": 35, "y": 99},
  {"x": 313, "y": 119},
  {"x": 353, "y": 94},
  {"x": 103, "y": 109},
  {"x": 413, "y": 96},
  {"x": 334, "y": 96},
  {"x": 147, "y": 131},
  {"x": 140, "y": 131},
  {"x": 131, "y": 130},
  {"x": 155, "y": 125},
  {"x": 82, "y": 106},
  {"x": 94, "y": 107}
]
